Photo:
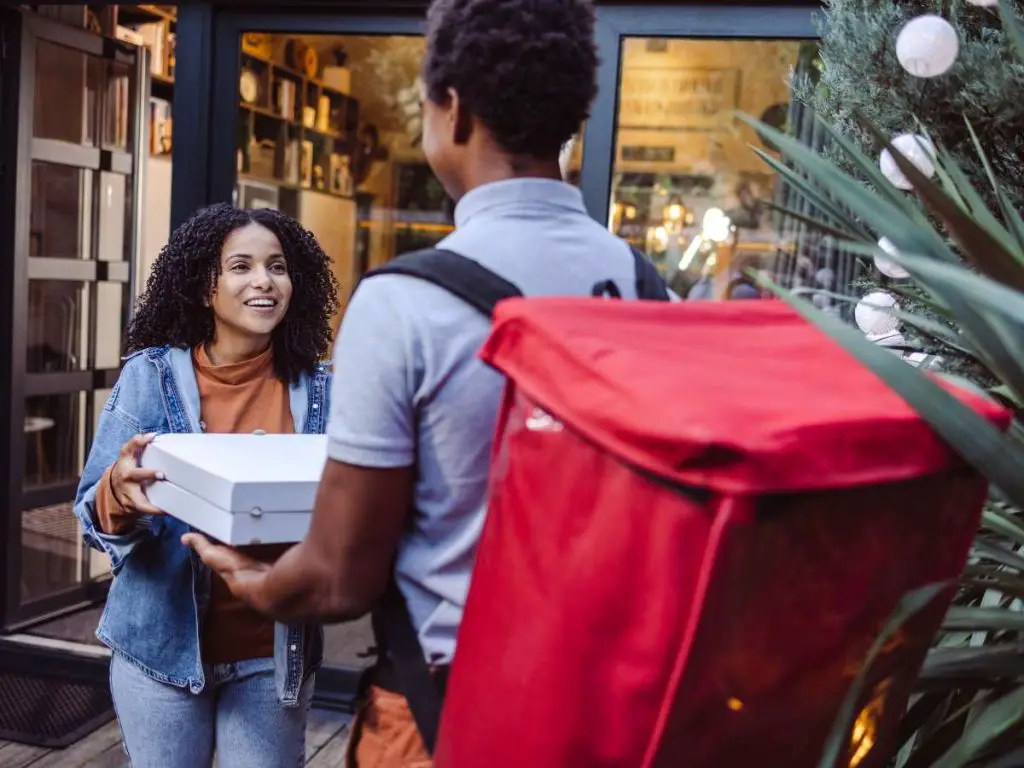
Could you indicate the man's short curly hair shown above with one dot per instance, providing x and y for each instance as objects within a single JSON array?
[
  {"x": 173, "y": 310},
  {"x": 526, "y": 70}
]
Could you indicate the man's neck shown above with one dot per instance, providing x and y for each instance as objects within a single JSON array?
[{"x": 505, "y": 168}]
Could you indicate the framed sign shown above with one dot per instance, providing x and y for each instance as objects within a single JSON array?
[{"x": 678, "y": 99}]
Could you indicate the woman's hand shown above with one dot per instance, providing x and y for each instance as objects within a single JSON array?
[{"x": 127, "y": 478}]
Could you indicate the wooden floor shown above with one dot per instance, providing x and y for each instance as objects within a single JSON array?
[{"x": 325, "y": 747}]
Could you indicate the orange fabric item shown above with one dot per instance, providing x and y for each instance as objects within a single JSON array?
[
  {"x": 239, "y": 398},
  {"x": 384, "y": 734},
  {"x": 110, "y": 515}
]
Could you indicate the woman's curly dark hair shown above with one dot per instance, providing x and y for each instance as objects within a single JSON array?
[
  {"x": 173, "y": 310},
  {"x": 527, "y": 71}
]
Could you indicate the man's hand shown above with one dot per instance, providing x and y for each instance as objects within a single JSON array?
[{"x": 244, "y": 575}]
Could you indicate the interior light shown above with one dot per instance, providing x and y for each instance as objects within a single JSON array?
[{"x": 716, "y": 226}]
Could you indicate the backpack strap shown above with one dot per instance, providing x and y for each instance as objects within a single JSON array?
[
  {"x": 393, "y": 629},
  {"x": 649, "y": 283},
  {"x": 395, "y": 635},
  {"x": 462, "y": 277}
]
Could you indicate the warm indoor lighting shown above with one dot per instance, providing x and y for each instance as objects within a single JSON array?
[
  {"x": 865, "y": 727},
  {"x": 675, "y": 212},
  {"x": 716, "y": 226}
]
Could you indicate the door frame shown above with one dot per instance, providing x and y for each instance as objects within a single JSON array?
[
  {"x": 722, "y": 21},
  {"x": 22, "y": 384}
]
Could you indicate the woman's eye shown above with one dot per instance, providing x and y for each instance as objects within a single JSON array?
[
  {"x": 280, "y": 269},
  {"x": 239, "y": 267}
]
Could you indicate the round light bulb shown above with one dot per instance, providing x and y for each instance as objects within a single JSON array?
[
  {"x": 873, "y": 316},
  {"x": 927, "y": 46},
  {"x": 917, "y": 149},
  {"x": 888, "y": 267}
]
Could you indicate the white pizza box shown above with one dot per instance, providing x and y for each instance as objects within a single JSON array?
[
  {"x": 240, "y": 473},
  {"x": 238, "y": 529}
]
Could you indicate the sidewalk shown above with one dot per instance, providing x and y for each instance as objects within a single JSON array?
[{"x": 325, "y": 746}]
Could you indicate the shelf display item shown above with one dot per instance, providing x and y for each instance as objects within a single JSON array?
[
  {"x": 323, "y": 114},
  {"x": 338, "y": 79},
  {"x": 306, "y": 163},
  {"x": 249, "y": 86},
  {"x": 286, "y": 98}
]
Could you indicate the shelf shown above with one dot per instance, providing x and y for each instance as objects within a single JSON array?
[
  {"x": 328, "y": 134},
  {"x": 266, "y": 112},
  {"x": 161, "y": 86},
  {"x": 281, "y": 184},
  {"x": 282, "y": 67}
]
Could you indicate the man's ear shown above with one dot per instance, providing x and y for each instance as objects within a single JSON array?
[{"x": 463, "y": 120}]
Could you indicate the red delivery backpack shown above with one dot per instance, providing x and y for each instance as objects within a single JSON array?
[{"x": 701, "y": 516}]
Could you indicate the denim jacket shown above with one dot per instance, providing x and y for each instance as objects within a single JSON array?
[{"x": 161, "y": 588}]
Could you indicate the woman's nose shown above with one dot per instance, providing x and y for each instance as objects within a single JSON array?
[{"x": 261, "y": 278}]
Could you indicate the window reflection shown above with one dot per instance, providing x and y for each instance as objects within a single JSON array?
[
  {"x": 329, "y": 132},
  {"x": 687, "y": 189}
]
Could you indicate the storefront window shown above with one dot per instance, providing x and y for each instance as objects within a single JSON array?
[
  {"x": 687, "y": 189},
  {"x": 329, "y": 132}
]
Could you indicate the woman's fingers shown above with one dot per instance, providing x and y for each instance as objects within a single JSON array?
[
  {"x": 141, "y": 476},
  {"x": 135, "y": 446},
  {"x": 137, "y": 501}
]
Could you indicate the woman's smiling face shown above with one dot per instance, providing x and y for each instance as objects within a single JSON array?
[{"x": 253, "y": 290}]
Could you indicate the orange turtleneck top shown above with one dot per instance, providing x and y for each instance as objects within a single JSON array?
[{"x": 233, "y": 398}]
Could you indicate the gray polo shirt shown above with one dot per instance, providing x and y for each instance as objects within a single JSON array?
[{"x": 408, "y": 386}]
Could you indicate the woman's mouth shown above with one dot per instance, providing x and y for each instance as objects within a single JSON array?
[{"x": 262, "y": 305}]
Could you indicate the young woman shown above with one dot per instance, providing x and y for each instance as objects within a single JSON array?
[{"x": 228, "y": 337}]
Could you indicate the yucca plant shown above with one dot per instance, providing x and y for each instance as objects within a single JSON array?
[{"x": 967, "y": 262}]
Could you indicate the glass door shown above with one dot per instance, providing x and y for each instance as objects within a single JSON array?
[
  {"x": 80, "y": 130},
  {"x": 677, "y": 177}
]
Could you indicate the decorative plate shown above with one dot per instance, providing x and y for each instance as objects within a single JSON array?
[{"x": 249, "y": 86}]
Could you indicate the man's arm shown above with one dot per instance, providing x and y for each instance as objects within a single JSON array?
[
  {"x": 366, "y": 492},
  {"x": 343, "y": 565}
]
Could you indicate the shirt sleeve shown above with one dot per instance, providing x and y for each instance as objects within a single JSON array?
[
  {"x": 111, "y": 517},
  {"x": 372, "y": 417}
]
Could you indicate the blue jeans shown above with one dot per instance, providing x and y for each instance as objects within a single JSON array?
[{"x": 238, "y": 715}]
